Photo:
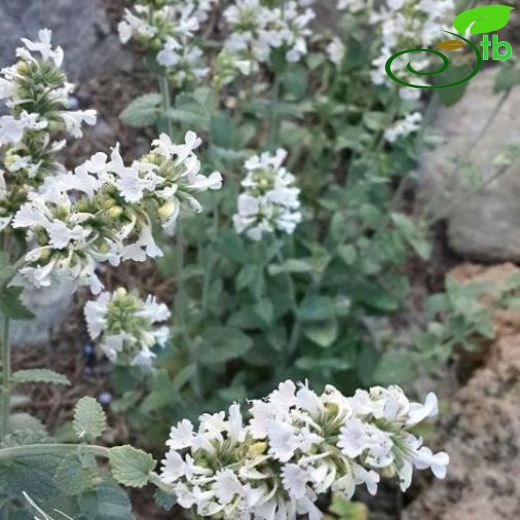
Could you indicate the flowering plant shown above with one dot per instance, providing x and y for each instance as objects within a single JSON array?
[{"x": 289, "y": 271}]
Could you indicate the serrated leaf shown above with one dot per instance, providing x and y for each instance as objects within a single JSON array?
[
  {"x": 130, "y": 466},
  {"x": 222, "y": 344},
  {"x": 39, "y": 375},
  {"x": 33, "y": 475},
  {"x": 24, "y": 421},
  {"x": 484, "y": 19},
  {"x": 72, "y": 478},
  {"x": 12, "y": 306},
  {"x": 164, "y": 500},
  {"x": 142, "y": 111},
  {"x": 107, "y": 502},
  {"x": 89, "y": 419},
  {"x": 190, "y": 111}
]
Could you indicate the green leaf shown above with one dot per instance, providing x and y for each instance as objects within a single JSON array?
[
  {"x": 348, "y": 510},
  {"x": 107, "y": 502},
  {"x": 507, "y": 78},
  {"x": 25, "y": 421},
  {"x": 164, "y": 500},
  {"x": 12, "y": 306},
  {"x": 394, "y": 368},
  {"x": 231, "y": 246},
  {"x": 223, "y": 131},
  {"x": 72, "y": 478},
  {"x": 316, "y": 308},
  {"x": 130, "y": 466},
  {"x": 264, "y": 310},
  {"x": 142, "y": 111},
  {"x": 89, "y": 419},
  {"x": 485, "y": 19},
  {"x": 223, "y": 344},
  {"x": 412, "y": 234},
  {"x": 451, "y": 96},
  {"x": 375, "y": 121},
  {"x": 6, "y": 269},
  {"x": 295, "y": 81},
  {"x": 190, "y": 111},
  {"x": 39, "y": 375},
  {"x": 322, "y": 333},
  {"x": 293, "y": 265},
  {"x": 333, "y": 364},
  {"x": 348, "y": 254}
]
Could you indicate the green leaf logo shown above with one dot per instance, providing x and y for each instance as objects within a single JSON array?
[{"x": 485, "y": 19}]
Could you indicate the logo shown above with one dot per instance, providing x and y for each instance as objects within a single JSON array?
[{"x": 481, "y": 20}]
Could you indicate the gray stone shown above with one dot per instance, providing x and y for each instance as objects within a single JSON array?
[
  {"x": 486, "y": 225},
  {"x": 81, "y": 27}
]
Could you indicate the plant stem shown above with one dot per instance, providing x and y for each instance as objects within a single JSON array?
[
  {"x": 296, "y": 329},
  {"x": 51, "y": 449},
  {"x": 61, "y": 449},
  {"x": 165, "y": 92},
  {"x": 274, "y": 122},
  {"x": 6, "y": 378}
]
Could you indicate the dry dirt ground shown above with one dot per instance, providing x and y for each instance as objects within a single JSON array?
[{"x": 481, "y": 431}]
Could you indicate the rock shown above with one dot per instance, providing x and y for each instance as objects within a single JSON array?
[
  {"x": 50, "y": 307},
  {"x": 82, "y": 28},
  {"x": 485, "y": 226},
  {"x": 482, "y": 429}
]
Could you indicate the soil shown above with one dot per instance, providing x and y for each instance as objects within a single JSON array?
[{"x": 480, "y": 430}]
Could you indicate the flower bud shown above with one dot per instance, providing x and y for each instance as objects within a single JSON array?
[
  {"x": 258, "y": 448},
  {"x": 115, "y": 211},
  {"x": 166, "y": 210},
  {"x": 23, "y": 67},
  {"x": 109, "y": 202}
]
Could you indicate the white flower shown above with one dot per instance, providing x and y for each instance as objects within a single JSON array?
[
  {"x": 232, "y": 469},
  {"x": 269, "y": 203},
  {"x": 74, "y": 119},
  {"x": 404, "y": 127},
  {"x": 173, "y": 467},
  {"x": 419, "y": 412},
  {"x": 336, "y": 51},
  {"x": 227, "y": 486},
  {"x": 295, "y": 480},
  {"x": 42, "y": 46},
  {"x": 124, "y": 326},
  {"x": 181, "y": 436},
  {"x": 438, "y": 462}
]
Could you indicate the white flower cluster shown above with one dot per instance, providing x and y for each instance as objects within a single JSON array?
[
  {"x": 355, "y": 6},
  {"x": 404, "y": 127},
  {"x": 408, "y": 24},
  {"x": 269, "y": 201},
  {"x": 101, "y": 212},
  {"x": 125, "y": 326},
  {"x": 37, "y": 95},
  {"x": 335, "y": 51},
  {"x": 295, "y": 446},
  {"x": 169, "y": 31},
  {"x": 256, "y": 30}
]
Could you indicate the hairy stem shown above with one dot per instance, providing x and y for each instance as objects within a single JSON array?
[
  {"x": 166, "y": 101},
  {"x": 31, "y": 450},
  {"x": 6, "y": 378},
  {"x": 296, "y": 328},
  {"x": 274, "y": 120}
]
